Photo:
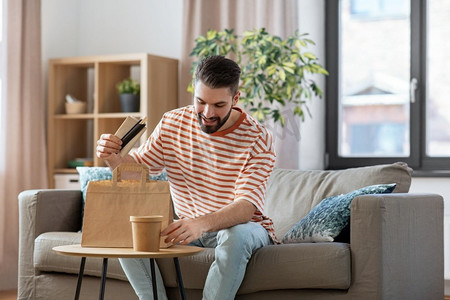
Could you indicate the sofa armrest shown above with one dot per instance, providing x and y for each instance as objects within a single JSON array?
[
  {"x": 43, "y": 211},
  {"x": 50, "y": 210},
  {"x": 397, "y": 246}
]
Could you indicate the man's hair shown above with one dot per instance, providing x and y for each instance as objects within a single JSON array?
[{"x": 218, "y": 72}]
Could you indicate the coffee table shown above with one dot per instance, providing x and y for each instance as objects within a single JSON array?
[{"x": 105, "y": 253}]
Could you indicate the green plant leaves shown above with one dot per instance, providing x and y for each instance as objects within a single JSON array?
[
  {"x": 274, "y": 71},
  {"x": 128, "y": 86}
]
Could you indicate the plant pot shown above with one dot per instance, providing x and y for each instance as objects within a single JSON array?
[{"x": 130, "y": 102}]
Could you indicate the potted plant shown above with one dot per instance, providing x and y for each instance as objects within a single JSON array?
[
  {"x": 275, "y": 75},
  {"x": 129, "y": 91}
]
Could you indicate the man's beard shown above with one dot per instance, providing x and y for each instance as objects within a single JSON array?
[{"x": 212, "y": 128}]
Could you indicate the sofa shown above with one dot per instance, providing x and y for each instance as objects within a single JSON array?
[{"x": 392, "y": 247}]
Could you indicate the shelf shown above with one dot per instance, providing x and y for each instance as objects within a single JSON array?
[
  {"x": 66, "y": 171},
  {"x": 74, "y": 116},
  {"x": 119, "y": 115},
  {"x": 92, "y": 116},
  {"x": 93, "y": 79},
  {"x": 133, "y": 58}
]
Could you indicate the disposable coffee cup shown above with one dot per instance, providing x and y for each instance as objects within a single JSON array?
[{"x": 146, "y": 232}]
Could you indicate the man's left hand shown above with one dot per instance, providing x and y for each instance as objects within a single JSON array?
[{"x": 183, "y": 231}]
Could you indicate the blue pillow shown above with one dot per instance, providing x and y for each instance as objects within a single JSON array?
[
  {"x": 92, "y": 174},
  {"x": 326, "y": 220}
]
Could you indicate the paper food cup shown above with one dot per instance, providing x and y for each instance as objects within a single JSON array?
[{"x": 146, "y": 232}]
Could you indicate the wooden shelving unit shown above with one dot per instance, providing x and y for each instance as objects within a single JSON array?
[{"x": 93, "y": 79}]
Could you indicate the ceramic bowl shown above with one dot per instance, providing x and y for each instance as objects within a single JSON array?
[{"x": 76, "y": 107}]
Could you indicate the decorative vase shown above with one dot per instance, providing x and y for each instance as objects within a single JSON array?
[{"x": 130, "y": 102}]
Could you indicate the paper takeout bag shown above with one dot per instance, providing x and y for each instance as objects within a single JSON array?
[{"x": 110, "y": 203}]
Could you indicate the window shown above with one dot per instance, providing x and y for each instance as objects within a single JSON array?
[
  {"x": 378, "y": 8},
  {"x": 387, "y": 93}
]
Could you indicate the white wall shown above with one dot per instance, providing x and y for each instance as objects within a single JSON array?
[
  {"x": 152, "y": 26},
  {"x": 59, "y": 28},
  {"x": 95, "y": 27},
  {"x": 312, "y": 131}
]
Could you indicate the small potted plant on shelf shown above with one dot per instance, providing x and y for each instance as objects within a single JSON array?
[{"x": 129, "y": 91}]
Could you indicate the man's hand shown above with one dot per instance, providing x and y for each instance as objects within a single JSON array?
[
  {"x": 107, "y": 145},
  {"x": 108, "y": 148},
  {"x": 184, "y": 231}
]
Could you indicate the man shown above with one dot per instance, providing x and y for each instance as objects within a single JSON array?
[{"x": 218, "y": 160}]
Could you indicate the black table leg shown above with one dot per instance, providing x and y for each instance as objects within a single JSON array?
[
  {"x": 80, "y": 278},
  {"x": 152, "y": 270},
  {"x": 102, "y": 287},
  {"x": 180, "y": 279}
]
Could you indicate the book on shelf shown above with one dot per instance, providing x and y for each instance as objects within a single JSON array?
[{"x": 80, "y": 162}]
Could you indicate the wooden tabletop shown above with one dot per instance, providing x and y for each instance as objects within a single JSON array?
[{"x": 173, "y": 251}]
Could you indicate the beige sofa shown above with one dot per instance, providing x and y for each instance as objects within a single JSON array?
[{"x": 395, "y": 248}]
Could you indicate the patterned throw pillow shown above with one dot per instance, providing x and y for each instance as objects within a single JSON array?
[
  {"x": 325, "y": 221},
  {"x": 92, "y": 174}
]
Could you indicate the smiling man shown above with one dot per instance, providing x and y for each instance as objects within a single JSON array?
[{"x": 218, "y": 160}]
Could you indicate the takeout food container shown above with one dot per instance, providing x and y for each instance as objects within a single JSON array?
[{"x": 146, "y": 232}]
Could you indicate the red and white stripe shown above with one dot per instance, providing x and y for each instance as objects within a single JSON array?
[{"x": 209, "y": 171}]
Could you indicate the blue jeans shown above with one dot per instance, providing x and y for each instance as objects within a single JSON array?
[{"x": 233, "y": 248}]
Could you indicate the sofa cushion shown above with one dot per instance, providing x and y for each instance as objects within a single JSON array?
[
  {"x": 325, "y": 221},
  {"x": 47, "y": 260},
  {"x": 290, "y": 266},
  {"x": 299, "y": 266},
  {"x": 291, "y": 194},
  {"x": 274, "y": 267}
]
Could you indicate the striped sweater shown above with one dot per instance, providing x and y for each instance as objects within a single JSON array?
[{"x": 209, "y": 171}]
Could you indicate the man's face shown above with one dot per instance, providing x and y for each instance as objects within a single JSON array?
[{"x": 212, "y": 106}]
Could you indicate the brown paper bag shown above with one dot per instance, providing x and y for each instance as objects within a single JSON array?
[{"x": 110, "y": 203}]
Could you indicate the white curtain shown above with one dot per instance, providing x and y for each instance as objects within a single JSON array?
[
  {"x": 22, "y": 145},
  {"x": 279, "y": 17}
]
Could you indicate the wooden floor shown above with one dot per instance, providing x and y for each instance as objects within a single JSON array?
[
  {"x": 8, "y": 295},
  {"x": 12, "y": 295}
]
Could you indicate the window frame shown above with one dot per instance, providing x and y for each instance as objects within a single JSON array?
[{"x": 417, "y": 158}]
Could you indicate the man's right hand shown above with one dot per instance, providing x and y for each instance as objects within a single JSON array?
[{"x": 108, "y": 148}]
